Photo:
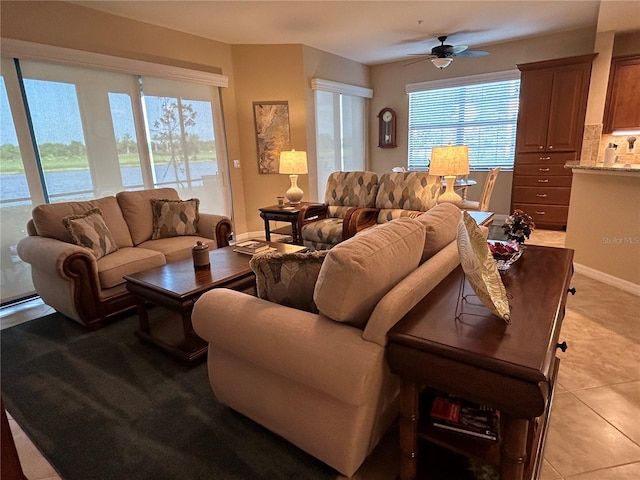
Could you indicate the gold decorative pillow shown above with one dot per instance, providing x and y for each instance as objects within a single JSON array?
[
  {"x": 288, "y": 278},
  {"x": 89, "y": 230},
  {"x": 174, "y": 218},
  {"x": 480, "y": 268}
]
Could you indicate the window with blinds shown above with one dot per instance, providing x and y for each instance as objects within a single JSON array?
[{"x": 480, "y": 111}]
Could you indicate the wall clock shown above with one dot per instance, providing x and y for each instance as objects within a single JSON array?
[{"x": 387, "y": 128}]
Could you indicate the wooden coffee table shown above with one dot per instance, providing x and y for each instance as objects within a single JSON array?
[{"x": 177, "y": 285}]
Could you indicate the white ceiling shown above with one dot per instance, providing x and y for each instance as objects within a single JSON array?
[{"x": 373, "y": 32}]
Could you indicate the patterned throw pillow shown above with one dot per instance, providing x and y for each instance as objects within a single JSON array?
[
  {"x": 288, "y": 278},
  {"x": 173, "y": 218},
  {"x": 480, "y": 268},
  {"x": 89, "y": 230}
]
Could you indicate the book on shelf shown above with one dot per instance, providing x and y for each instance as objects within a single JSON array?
[
  {"x": 251, "y": 246},
  {"x": 462, "y": 416}
]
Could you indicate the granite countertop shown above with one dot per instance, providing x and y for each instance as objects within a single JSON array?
[{"x": 616, "y": 168}]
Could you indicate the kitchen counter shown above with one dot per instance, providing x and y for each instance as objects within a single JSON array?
[{"x": 615, "y": 169}]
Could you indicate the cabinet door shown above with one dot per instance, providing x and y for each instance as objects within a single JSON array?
[
  {"x": 567, "y": 108},
  {"x": 533, "y": 117},
  {"x": 622, "y": 110}
]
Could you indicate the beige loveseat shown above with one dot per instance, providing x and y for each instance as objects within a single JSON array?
[
  {"x": 321, "y": 380},
  {"x": 70, "y": 277}
]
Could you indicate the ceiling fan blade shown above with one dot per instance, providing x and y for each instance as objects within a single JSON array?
[
  {"x": 472, "y": 53},
  {"x": 418, "y": 61},
  {"x": 456, "y": 49}
]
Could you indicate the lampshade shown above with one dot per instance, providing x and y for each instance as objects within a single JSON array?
[
  {"x": 293, "y": 162},
  {"x": 449, "y": 160},
  {"x": 441, "y": 62}
]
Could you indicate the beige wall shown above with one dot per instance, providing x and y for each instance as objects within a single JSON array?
[
  {"x": 389, "y": 81},
  {"x": 267, "y": 73},
  {"x": 605, "y": 230}
]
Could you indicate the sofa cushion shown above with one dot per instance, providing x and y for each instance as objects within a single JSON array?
[
  {"x": 176, "y": 248},
  {"x": 47, "y": 219},
  {"x": 358, "y": 272},
  {"x": 351, "y": 189},
  {"x": 416, "y": 191},
  {"x": 288, "y": 278},
  {"x": 441, "y": 223},
  {"x": 125, "y": 261},
  {"x": 327, "y": 231},
  {"x": 174, "y": 218},
  {"x": 136, "y": 210},
  {"x": 89, "y": 230}
]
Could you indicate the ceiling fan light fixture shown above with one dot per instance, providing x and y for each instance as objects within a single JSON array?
[{"x": 441, "y": 62}]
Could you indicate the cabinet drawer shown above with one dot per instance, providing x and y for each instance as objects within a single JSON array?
[
  {"x": 541, "y": 169},
  {"x": 545, "y": 158},
  {"x": 541, "y": 181},
  {"x": 544, "y": 214},
  {"x": 546, "y": 195}
]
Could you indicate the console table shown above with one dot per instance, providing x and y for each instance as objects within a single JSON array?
[{"x": 479, "y": 357}]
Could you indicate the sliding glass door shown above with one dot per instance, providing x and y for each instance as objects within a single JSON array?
[
  {"x": 89, "y": 133},
  {"x": 340, "y": 129}
]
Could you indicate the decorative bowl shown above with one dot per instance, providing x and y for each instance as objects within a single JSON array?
[{"x": 505, "y": 253}]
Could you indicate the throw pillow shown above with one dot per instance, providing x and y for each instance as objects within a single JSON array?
[
  {"x": 89, "y": 230},
  {"x": 480, "y": 268},
  {"x": 173, "y": 218},
  {"x": 288, "y": 278},
  {"x": 441, "y": 223}
]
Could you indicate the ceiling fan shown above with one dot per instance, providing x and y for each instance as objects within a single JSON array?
[{"x": 442, "y": 55}]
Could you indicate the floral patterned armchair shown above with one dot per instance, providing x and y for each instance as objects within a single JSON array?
[{"x": 324, "y": 227}]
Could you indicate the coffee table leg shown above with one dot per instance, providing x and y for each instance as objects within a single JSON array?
[
  {"x": 143, "y": 317},
  {"x": 409, "y": 412}
]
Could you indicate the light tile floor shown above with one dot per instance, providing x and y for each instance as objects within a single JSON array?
[{"x": 594, "y": 432}]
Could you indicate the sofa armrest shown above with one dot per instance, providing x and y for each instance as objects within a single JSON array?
[
  {"x": 311, "y": 213},
  {"x": 64, "y": 275},
  {"x": 50, "y": 256},
  {"x": 215, "y": 227},
  {"x": 304, "y": 347},
  {"x": 357, "y": 219}
]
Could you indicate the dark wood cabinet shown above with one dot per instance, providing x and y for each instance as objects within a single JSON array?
[
  {"x": 553, "y": 103},
  {"x": 622, "y": 110}
]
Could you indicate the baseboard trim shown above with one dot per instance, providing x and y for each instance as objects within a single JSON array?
[{"x": 625, "y": 285}]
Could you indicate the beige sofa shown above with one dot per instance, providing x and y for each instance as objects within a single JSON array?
[
  {"x": 90, "y": 290},
  {"x": 321, "y": 380}
]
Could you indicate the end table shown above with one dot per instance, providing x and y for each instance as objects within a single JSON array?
[{"x": 286, "y": 213}]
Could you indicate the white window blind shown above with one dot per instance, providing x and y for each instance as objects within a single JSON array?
[
  {"x": 340, "y": 129},
  {"x": 480, "y": 111}
]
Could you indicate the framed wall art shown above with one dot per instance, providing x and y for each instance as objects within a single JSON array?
[{"x": 272, "y": 133}]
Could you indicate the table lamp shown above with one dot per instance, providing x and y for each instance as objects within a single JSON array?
[
  {"x": 450, "y": 161},
  {"x": 293, "y": 163}
]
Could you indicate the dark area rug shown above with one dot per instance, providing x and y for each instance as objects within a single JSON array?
[{"x": 103, "y": 405}]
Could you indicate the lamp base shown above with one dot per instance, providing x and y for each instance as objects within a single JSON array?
[
  {"x": 450, "y": 196},
  {"x": 294, "y": 194}
]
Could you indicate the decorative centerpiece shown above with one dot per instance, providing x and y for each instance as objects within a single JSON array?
[{"x": 518, "y": 226}]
